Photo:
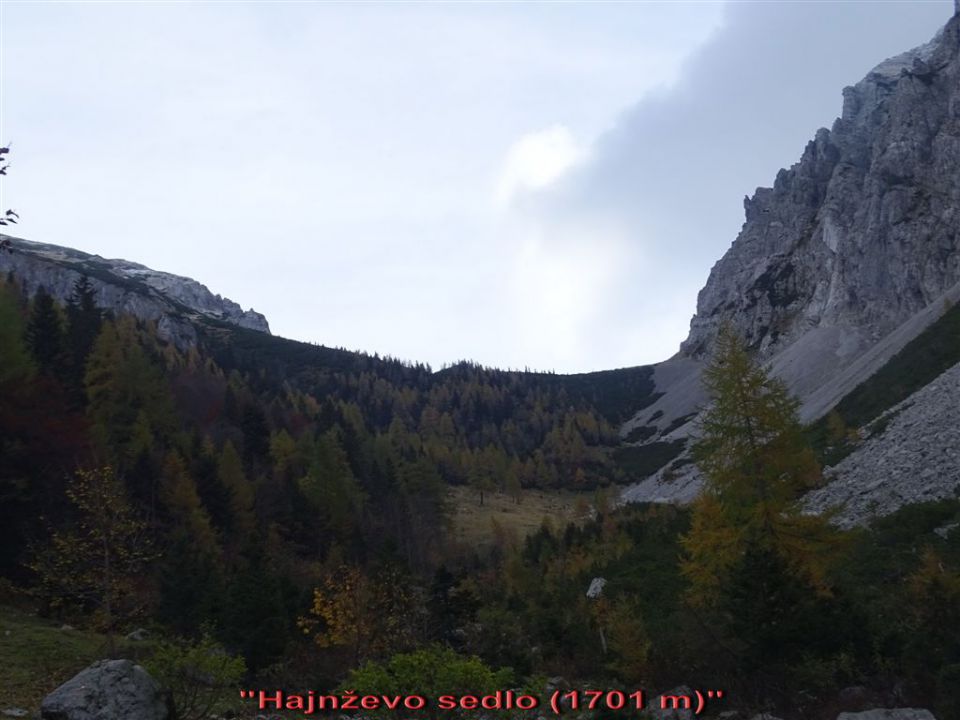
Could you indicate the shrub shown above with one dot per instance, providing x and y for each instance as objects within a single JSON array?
[
  {"x": 201, "y": 675},
  {"x": 431, "y": 672}
]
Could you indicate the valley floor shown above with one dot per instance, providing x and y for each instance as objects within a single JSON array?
[{"x": 476, "y": 525}]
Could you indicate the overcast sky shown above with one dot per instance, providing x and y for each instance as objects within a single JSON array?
[{"x": 542, "y": 185}]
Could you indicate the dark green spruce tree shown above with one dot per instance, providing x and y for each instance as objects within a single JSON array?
[
  {"x": 44, "y": 334},
  {"x": 84, "y": 320}
]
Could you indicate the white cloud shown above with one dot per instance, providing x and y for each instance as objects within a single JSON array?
[
  {"x": 558, "y": 288},
  {"x": 335, "y": 166},
  {"x": 536, "y": 160}
]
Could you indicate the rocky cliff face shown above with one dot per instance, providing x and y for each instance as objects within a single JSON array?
[
  {"x": 852, "y": 253},
  {"x": 125, "y": 287},
  {"x": 864, "y": 231}
]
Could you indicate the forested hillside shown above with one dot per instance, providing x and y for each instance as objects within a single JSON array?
[
  {"x": 290, "y": 504},
  {"x": 253, "y": 461}
]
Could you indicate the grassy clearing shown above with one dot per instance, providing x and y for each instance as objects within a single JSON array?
[
  {"x": 473, "y": 524},
  {"x": 642, "y": 461},
  {"x": 36, "y": 656}
]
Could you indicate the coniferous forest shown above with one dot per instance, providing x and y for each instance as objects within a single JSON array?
[
  {"x": 200, "y": 520},
  {"x": 287, "y": 510}
]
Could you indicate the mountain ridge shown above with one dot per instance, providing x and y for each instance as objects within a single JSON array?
[
  {"x": 850, "y": 255},
  {"x": 125, "y": 286}
]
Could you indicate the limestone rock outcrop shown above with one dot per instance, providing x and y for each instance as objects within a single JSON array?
[
  {"x": 125, "y": 287},
  {"x": 852, "y": 253},
  {"x": 864, "y": 231},
  {"x": 889, "y": 714},
  {"x": 108, "y": 690}
]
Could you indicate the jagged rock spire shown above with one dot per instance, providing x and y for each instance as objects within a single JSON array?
[{"x": 860, "y": 234}]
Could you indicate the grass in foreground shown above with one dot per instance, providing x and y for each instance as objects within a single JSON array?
[{"x": 36, "y": 656}]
